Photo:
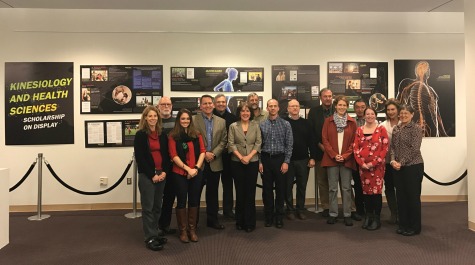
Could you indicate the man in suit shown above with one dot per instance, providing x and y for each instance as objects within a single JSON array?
[
  {"x": 227, "y": 180},
  {"x": 213, "y": 131}
]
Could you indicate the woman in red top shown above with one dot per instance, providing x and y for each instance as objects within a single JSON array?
[
  {"x": 338, "y": 135},
  {"x": 370, "y": 148},
  {"x": 187, "y": 151}
]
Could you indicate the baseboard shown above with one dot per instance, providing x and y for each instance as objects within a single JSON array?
[
  {"x": 471, "y": 226},
  {"x": 119, "y": 206}
]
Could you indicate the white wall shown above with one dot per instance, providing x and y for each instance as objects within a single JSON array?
[{"x": 215, "y": 38}]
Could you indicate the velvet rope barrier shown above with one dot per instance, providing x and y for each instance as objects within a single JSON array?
[
  {"x": 24, "y": 177},
  {"x": 89, "y": 192}
]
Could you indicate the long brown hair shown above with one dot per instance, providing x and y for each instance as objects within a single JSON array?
[
  {"x": 143, "y": 125},
  {"x": 178, "y": 130}
]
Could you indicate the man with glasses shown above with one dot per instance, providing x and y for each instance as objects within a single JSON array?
[
  {"x": 300, "y": 163},
  {"x": 168, "y": 122}
]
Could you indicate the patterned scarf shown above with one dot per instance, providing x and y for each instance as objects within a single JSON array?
[{"x": 340, "y": 122}]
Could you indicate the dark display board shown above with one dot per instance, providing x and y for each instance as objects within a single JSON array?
[
  {"x": 110, "y": 133},
  {"x": 39, "y": 104},
  {"x": 108, "y": 89},
  {"x": 193, "y": 104},
  {"x": 366, "y": 80},
  {"x": 300, "y": 82},
  {"x": 429, "y": 87},
  {"x": 218, "y": 79}
]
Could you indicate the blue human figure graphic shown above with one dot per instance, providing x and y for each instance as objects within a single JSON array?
[{"x": 227, "y": 84}]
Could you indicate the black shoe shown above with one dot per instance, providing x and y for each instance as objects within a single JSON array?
[
  {"x": 279, "y": 223},
  {"x": 348, "y": 221},
  {"x": 268, "y": 222},
  {"x": 162, "y": 240},
  {"x": 154, "y": 244},
  {"x": 410, "y": 233},
  {"x": 249, "y": 229},
  {"x": 400, "y": 231},
  {"x": 290, "y": 216},
  {"x": 325, "y": 213},
  {"x": 239, "y": 227},
  {"x": 301, "y": 215},
  {"x": 229, "y": 215},
  {"x": 331, "y": 220},
  {"x": 355, "y": 216},
  {"x": 167, "y": 231},
  {"x": 217, "y": 226}
]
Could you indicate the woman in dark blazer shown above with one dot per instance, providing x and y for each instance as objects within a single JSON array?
[
  {"x": 153, "y": 161},
  {"x": 244, "y": 142},
  {"x": 406, "y": 159},
  {"x": 338, "y": 135}
]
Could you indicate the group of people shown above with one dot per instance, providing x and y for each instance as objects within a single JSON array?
[
  {"x": 179, "y": 157},
  {"x": 373, "y": 155}
]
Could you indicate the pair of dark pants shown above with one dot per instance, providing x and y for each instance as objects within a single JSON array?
[
  {"x": 245, "y": 179},
  {"x": 168, "y": 200},
  {"x": 390, "y": 188},
  {"x": 187, "y": 190},
  {"x": 298, "y": 170},
  {"x": 408, "y": 182},
  {"x": 270, "y": 177},
  {"x": 358, "y": 189},
  {"x": 227, "y": 182},
  {"x": 373, "y": 203},
  {"x": 211, "y": 180},
  {"x": 151, "y": 199}
]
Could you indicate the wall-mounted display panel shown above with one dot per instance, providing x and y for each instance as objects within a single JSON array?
[
  {"x": 109, "y": 89},
  {"x": 110, "y": 133},
  {"x": 217, "y": 79},
  {"x": 429, "y": 87},
  {"x": 39, "y": 105},
  {"x": 300, "y": 82},
  {"x": 366, "y": 80}
]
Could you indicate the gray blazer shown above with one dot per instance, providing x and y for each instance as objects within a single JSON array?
[
  {"x": 244, "y": 143},
  {"x": 219, "y": 141}
]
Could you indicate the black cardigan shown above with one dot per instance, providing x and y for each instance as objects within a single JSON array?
[{"x": 144, "y": 158}]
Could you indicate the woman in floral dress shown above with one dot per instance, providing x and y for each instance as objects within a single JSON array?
[{"x": 370, "y": 148}]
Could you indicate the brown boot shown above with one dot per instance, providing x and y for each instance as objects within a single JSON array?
[
  {"x": 181, "y": 220},
  {"x": 192, "y": 214}
]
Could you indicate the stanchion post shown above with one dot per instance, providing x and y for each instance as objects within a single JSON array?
[
  {"x": 134, "y": 214},
  {"x": 39, "y": 216},
  {"x": 315, "y": 209}
]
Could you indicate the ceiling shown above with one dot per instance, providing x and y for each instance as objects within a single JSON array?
[{"x": 248, "y": 5}]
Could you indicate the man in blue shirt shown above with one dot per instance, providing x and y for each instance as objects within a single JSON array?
[
  {"x": 277, "y": 142},
  {"x": 213, "y": 130}
]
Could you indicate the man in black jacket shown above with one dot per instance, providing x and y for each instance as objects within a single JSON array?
[{"x": 316, "y": 117}]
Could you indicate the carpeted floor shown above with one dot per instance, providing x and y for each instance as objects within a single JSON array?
[{"x": 107, "y": 237}]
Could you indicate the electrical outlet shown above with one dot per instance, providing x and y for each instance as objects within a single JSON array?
[
  {"x": 129, "y": 181},
  {"x": 103, "y": 181}
]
